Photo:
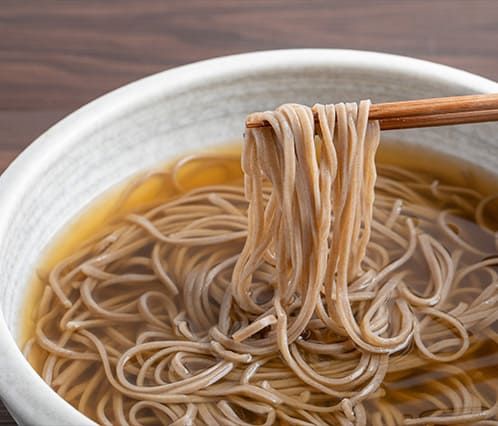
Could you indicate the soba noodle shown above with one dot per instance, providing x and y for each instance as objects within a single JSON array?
[{"x": 293, "y": 298}]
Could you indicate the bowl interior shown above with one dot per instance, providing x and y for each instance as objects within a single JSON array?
[{"x": 163, "y": 116}]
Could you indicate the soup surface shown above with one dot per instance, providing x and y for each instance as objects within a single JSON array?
[{"x": 124, "y": 302}]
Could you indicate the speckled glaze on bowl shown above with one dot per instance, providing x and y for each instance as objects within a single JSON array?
[{"x": 161, "y": 116}]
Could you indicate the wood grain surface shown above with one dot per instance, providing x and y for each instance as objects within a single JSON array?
[{"x": 56, "y": 56}]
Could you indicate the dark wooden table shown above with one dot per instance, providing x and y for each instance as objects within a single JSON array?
[{"x": 56, "y": 56}]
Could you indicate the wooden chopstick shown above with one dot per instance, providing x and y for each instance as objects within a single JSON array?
[
  {"x": 434, "y": 106},
  {"x": 428, "y": 112},
  {"x": 442, "y": 119}
]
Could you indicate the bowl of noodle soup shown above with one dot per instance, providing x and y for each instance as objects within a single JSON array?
[{"x": 192, "y": 110}]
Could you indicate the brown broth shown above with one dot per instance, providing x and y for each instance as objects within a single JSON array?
[
  {"x": 400, "y": 388},
  {"x": 103, "y": 211}
]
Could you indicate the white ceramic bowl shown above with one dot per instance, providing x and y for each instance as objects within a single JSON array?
[{"x": 162, "y": 116}]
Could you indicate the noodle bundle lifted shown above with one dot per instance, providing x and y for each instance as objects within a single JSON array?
[{"x": 313, "y": 293}]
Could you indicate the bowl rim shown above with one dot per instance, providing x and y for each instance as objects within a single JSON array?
[{"x": 15, "y": 181}]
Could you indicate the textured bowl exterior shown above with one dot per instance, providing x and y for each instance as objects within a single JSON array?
[{"x": 174, "y": 112}]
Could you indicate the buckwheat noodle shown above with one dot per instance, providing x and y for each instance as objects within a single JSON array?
[{"x": 292, "y": 298}]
